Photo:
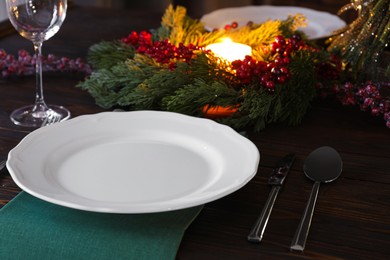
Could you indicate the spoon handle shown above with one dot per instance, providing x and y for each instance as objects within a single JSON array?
[{"x": 299, "y": 240}]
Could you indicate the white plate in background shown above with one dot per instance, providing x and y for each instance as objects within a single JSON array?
[{"x": 319, "y": 24}]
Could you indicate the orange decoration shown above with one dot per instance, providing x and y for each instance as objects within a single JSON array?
[{"x": 214, "y": 112}]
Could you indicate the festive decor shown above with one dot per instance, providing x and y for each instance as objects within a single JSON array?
[
  {"x": 24, "y": 64},
  {"x": 171, "y": 69},
  {"x": 363, "y": 42},
  {"x": 369, "y": 96},
  {"x": 362, "y": 45}
]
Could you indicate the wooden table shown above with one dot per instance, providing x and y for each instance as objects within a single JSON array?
[{"x": 352, "y": 216}]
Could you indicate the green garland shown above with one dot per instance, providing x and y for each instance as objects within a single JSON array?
[{"x": 123, "y": 77}]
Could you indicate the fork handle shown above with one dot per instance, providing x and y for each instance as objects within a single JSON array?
[{"x": 258, "y": 229}]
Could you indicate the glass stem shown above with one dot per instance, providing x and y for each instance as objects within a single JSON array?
[{"x": 40, "y": 106}]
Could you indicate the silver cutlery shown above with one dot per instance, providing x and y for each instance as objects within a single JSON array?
[
  {"x": 2, "y": 164},
  {"x": 321, "y": 166},
  {"x": 276, "y": 181}
]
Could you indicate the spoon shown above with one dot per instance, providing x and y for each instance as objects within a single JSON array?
[{"x": 323, "y": 165}]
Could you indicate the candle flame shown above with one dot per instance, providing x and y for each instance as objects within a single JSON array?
[{"x": 229, "y": 50}]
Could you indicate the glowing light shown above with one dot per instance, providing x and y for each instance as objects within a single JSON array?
[{"x": 229, "y": 50}]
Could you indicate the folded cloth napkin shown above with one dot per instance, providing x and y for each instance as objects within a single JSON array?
[{"x": 31, "y": 228}]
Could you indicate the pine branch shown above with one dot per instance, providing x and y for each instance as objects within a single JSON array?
[
  {"x": 104, "y": 55},
  {"x": 110, "y": 86},
  {"x": 179, "y": 28},
  {"x": 193, "y": 97}
]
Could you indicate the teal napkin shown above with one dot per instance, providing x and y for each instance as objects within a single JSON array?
[{"x": 31, "y": 228}]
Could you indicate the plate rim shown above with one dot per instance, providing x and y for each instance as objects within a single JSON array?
[{"x": 244, "y": 178}]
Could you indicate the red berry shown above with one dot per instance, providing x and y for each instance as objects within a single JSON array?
[
  {"x": 281, "y": 79},
  {"x": 274, "y": 46},
  {"x": 284, "y": 70},
  {"x": 279, "y": 60},
  {"x": 280, "y": 39},
  {"x": 275, "y": 70},
  {"x": 270, "y": 84}
]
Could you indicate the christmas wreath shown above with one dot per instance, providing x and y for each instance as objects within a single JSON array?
[{"x": 171, "y": 69}]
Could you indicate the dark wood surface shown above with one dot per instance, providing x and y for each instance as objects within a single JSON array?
[{"x": 352, "y": 216}]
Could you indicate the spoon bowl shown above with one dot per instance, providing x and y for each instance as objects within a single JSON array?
[{"x": 323, "y": 165}]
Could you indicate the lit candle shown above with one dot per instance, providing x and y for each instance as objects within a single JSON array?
[{"x": 230, "y": 50}]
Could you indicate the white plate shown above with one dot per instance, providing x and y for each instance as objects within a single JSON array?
[
  {"x": 133, "y": 162},
  {"x": 319, "y": 24}
]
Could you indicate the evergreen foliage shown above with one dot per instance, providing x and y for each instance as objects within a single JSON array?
[{"x": 134, "y": 81}]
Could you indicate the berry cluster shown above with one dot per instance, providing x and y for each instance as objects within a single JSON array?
[
  {"x": 274, "y": 72},
  {"x": 24, "y": 64},
  {"x": 368, "y": 96},
  {"x": 331, "y": 69},
  {"x": 162, "y": 51},
  {"x": 371, "y": 98},
  {"x": 233, "y": 25},
  {"x": 141, "y": 41},
  {"x": 284, "y": 47},
  {"x": 346, "y": 93}
]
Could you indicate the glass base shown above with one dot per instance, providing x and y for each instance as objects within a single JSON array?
[{"x": 29, "y": 116}]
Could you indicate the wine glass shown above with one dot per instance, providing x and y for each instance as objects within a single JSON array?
[{"x": 37, "y": 21}]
